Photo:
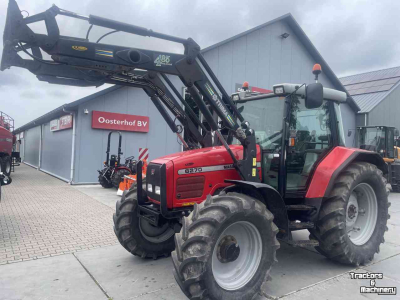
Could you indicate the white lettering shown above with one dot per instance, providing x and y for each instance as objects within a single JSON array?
[
  {"x": 101, "y": 120},
  {"x": 144, "y": 124},
  {"x": 139, "y": 123},
  {"x": 131, "y": 123},
  {"x": 118, "y": 122}
]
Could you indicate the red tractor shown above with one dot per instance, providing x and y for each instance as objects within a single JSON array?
[
  {"x": 6, "y": 143},
  {"x": 113, "y": 172},
  {"x": 221, "y": 206}
]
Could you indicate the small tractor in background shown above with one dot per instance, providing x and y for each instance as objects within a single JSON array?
[
  {"x": 113, "y": 172},
  {"x": 384, "y": 141},
  {"x": 221, "y": 206}
]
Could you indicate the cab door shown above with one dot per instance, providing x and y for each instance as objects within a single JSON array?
[{"x": 310, "y": 138}]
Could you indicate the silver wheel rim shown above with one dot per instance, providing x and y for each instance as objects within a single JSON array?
[
  {"x": 236, "y": 274},
  {"x": 8, "y": 167},
  {"x": 361, "y": 214},
  {"x": 160, "y": 234}
]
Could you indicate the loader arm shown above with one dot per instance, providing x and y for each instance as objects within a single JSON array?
[{"x": 79, "y": 62}]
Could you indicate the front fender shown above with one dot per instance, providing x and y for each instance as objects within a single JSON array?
[{"x": 270, "y": 197}]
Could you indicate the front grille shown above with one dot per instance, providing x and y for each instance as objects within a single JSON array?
[
  {"x": 190, "y": 187},
  {"x": 153, "y": 179}
]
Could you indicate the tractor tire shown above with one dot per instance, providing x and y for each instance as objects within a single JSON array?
[
  {"x": 226, "y": 248},
  {"x": 104, "y": 183},
  {"x": 6, "y": 165},
  {"x": 352, "y": 220},
  {"x": 138, "y": 236},
  {"x": 118, "y": 176}
]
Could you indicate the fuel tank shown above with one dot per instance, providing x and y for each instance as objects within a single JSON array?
[{"x": 6, "y": 141}]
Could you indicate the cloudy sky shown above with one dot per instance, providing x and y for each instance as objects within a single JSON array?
[{"x": 353, "y": 36}]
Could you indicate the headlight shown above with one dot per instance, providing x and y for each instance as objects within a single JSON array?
[
  {"x": 235, "y": 97},
  {"x": 157, "y": 190},
  {"x": 279, "y": 90},
  {"x": 150, "y": 188}
]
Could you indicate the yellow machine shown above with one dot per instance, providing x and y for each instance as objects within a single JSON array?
[{"x": 383, "y": 140}]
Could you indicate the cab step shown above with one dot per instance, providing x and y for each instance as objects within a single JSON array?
[
  {"x": 300, "y": 207},
  {"x": 301, "y": 225},
  {"x": 304, "y": 243}
]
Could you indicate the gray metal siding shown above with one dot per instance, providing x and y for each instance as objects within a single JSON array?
[
  {"x": 263, "y": 59},
  {"x": 387, "y": 111},
  {"x": 360, "y": 120},
  {"x": 349, "y": 123},
  {"x": 91, "y": 143},
  {"x": 31, "y": 146},
  {"x": 56, "y": 151}
]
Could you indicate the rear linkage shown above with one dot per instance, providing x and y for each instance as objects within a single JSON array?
[{"x": 78, "y": 62}]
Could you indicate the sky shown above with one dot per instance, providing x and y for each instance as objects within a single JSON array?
[{"x": 352, "y": 36}]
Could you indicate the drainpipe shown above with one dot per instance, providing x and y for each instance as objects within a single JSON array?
[
  {"x": 40, "y": 148},
  {"x": 365, "y": 119},
  {"x": 73, "y": 144}
]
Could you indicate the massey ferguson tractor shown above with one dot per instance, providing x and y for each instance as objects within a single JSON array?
[{"x": 269, "y": 165}]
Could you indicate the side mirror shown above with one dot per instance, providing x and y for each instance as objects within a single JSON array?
[
  {"x": 396, "y": 132},
  {"x": 314, "y": 95},
  {"x": 349, "y": 133}
]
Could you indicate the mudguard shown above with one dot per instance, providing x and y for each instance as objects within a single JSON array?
[
  {"x": 270, "y": 197},
  {"x": 334, "y": 163}
]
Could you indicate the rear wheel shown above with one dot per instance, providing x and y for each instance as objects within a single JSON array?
[
  {"x": 6, "y": 165},
  {"x": 225, "y": 249},
  {"x": 137, "y": 235},
  {"x": 118, "y": 176},
  {"x": 353, "y": 219}
]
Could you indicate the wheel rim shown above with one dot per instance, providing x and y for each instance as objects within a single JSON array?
[
  {"x": 155, "y": 234},
  {"x": 240, "y": 267},
  {"x": 361, "y": 214},
  {"x": 8, "y": 167}
]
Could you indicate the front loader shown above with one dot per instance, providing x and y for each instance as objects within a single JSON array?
[{"x": 222, "y": 205}]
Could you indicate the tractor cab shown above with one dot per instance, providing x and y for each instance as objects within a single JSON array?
[
  {"x": 379, "y": 139},
  {"x": 287, "y": 125}
]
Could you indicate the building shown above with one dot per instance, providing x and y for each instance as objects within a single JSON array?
[
  {"x": 377, "y": 93},
  {"x": 275, "y": 52}
]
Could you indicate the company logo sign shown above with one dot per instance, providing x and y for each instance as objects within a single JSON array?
[
  {"x": 122, "y": 122},
  {"x": 64, "y": 122}
]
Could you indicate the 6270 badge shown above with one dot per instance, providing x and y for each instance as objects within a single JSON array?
[{"x": 193, "y": 170}]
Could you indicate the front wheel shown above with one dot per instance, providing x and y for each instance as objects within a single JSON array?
[
  {"x": 137, "y": 235},
  {"x": 118, "y": 176},
  {"x": 352, "y": 220},
  {"x": 6, "y": 165},
  {"x": 225, "y": 249}
]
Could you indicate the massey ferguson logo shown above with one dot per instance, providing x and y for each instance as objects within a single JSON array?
[{"x": 163, "y": 60}]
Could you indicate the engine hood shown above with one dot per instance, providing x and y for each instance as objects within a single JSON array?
[{"x": 210, "y": 156}]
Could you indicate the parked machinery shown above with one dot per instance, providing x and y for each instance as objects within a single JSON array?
[
  {"x": 113, "y": 172},
  {"x": 383, "y": 140},
  {"x": 6, "y": 143},
  {"x": 4, "y": 180},
  {"x": 223, "y": 208}
]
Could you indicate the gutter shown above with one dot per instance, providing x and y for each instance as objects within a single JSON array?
[{"x": 71, "y": 176}]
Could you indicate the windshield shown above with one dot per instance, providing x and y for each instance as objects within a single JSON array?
[{"x": 265, "y": 118}]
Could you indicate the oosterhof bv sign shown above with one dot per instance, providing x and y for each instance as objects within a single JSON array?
[{"x": 123, "y": 122}]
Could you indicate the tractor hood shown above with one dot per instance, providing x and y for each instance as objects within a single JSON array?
[{"x": 210, "y": 156}]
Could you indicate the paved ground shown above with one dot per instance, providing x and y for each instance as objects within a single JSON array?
[
  {"x": 45, "y": 207},
  {"x": 42, "y": 216}
]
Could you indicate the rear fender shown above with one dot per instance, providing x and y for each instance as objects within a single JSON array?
[
  {"x": 270, "y": 197},
  {"x": 334, "y": 163}
]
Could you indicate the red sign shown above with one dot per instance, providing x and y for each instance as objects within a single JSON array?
[
  {"x": 123, "y": 122},
  {"x": 65, "y": 122}
]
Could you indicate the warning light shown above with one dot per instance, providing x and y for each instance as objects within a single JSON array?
[
  {"x": 291, "y": 142},
  {"x": 317, "y": 69},
  {"x": 245, "y": 86}
]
